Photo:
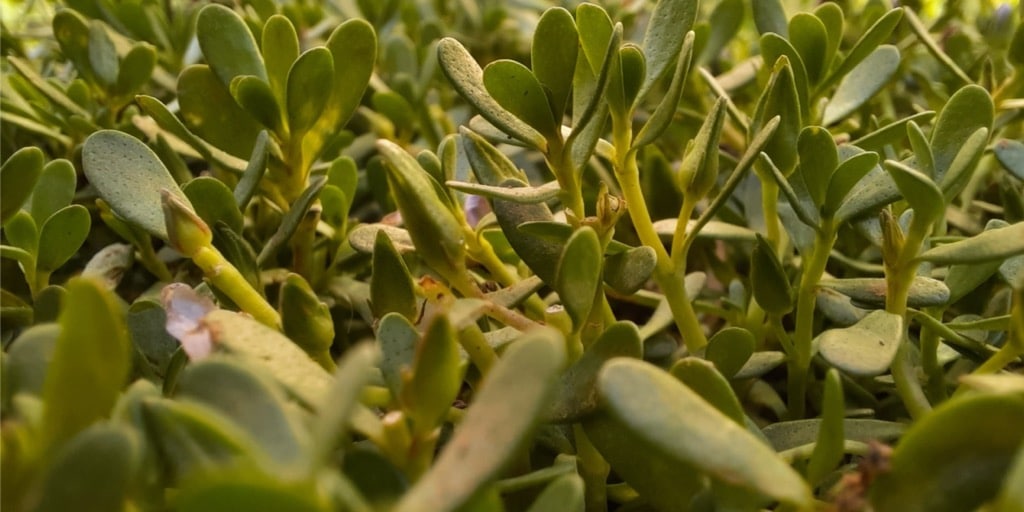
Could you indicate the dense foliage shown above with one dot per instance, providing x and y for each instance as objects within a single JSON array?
[{"x": 512, "y": 255}]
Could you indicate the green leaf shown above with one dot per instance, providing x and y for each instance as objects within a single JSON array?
[
  {"x": 667, "y": 416},
  {"x": 1010, "y": 154},
  {"x": 435, "y": 378},
  {"x": 214, "y": 202},
  {"x": 596, "y": 31},
  {"x": 725, "y": 21},
  {"x": 71, "y": 30},
  {"x": 786, "y": 435},
  {"x": 579, "y": 274},
  {"x": 468, "y": 79},
  {"x": 730, "y": 349},
  {"x": 26, "y": 362},
  {"x": 627, "y": 271},
  {"x": 924, "y": 160},
  {"x": 310, "y": 86},
  {"x": 136, "y": 69},
  {"x": 768, "y": 279},
  {"x": 991, "y": 245},
  {"x": 250, "y": 401},
  {"x": 307, "y": 320},
  {"x": 564, "y": 494},
  {"x": 518, "y": 91},
  {"x": 61, "y": 236},
  {"x": 666, "y": 109},
  {"x": 490, "y": 166},
  {"x": 292, "y": 219},
  {"x": 228, "y": 45},
  {"x": 192, "y": 438},
  {"x": 774, "y": 46},
  {"x": 870, "y": 291},
  {"x": 102, "y": 55},
  {"x": 398, "y": 339},
  {"x": 964, "y": 164},
  {"x": 169, "y": 122},
  {"x": 831, "y": 17},
  {"x": 866, "y": 348},
  {"x": 238, "y": 252},
  {"x": 943, "y": 464},
  {"x": 54, "y": 190},
  {"x": 256, "y": 97},
  {"x": 391, "y": 286},
  {"x": 702, "y": 378},
  {"x": 129, "y": 176},
  {"x": 253, "y": 173},
  {"x": 818, "y": 161},
  {"x": 808, "y": 35},
  {"x": 93, "y": 472},
  {"x": 54, "y": 94},
  {"x": 577, "y": 395},
  {"x": 920, "y": 192},
  {"x": 670, "y": 22},
  {"x": 526, "y": 195},
  {"x": 1011, "y": 497},
  {"x": 967, "y": 110},
  {"x": 435, "y": 232},
  {"x": 780, "y": 99},
  {"x": 622, "y": 89},
  {"x": 769, "y": 16},
  {"x": 875, "y": 35},
  {"x": 890, "y": 133},
  {"x": 846, "y": 177},
  {"x": 90, "y": 365},
  {"x": 280, "y": 47},
  {"x": 504, "y": 411},
  {"x": 264, "y": 347},
  {"x": 210, "y": 112},
  {"x": 22, "y": 232},
  {"x": 338, "y": 404},
  {"x": 862, "y": 83},
  {"x": 828, "y": 450},
  {"x": 250, "y": 490},
  {"x": 553, "y": 56},
  {"x": 354, "y": 48},
  {"x": 18, "y": 177}
]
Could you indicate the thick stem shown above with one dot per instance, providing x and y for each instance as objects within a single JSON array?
[
  {"x": 226, "y": 278},
  {"x": 930, "y": 358},
  {"x": 594, "y": 471},
  {"x": 800, "y": 360}
]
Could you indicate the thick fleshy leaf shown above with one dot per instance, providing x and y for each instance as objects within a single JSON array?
[
  {"x": 306, "y": 319},
  {"x": 214, "y": 202},
  {"x": 943, "y": 464},
  {"x": 807, "y": 33},
  {"x": 257, "y": 98},
  {"x": 26, "y": 361},
  {"x": 467, "y": 78},
  {"x": 818, "y": 161},
  {"x": 397, "y": 337},
  {"x": 564, "y": 494},
  {"x": 248, "y": 489},
  {"x": 540, "y": 194},
  {"x": 861, "y": 83},
  {"x": 93, "y": 472},
  {"x": 364, "y": 236},
  {"x": 54, "y": 190},
  {"x": 61, "y": 237},
  {"x": 209, "y": 111},
  {"x": 875, "y": 35},
  {"x": 292, "y": 219},
  {"x": 773, "y": 47},
  {"x": 769, "y": 16},
  {"x": 866, "y": 348},
  {"x": 1010, "y": 153},
  {"x": 870, "y": 291},
  {"x": 967, "y": 110},
  {"x": 725, "y": 21},
  {"x": 310, "y": 86},
  {"x": 504, "y": 411},
  {"x": 228, "y": 45},
  {"x": 846, "y": 178},
  {"x": 890, "y": 133},
  {"x": 391, "y": 286},
  {"x": 962, "y": 168},
  {"x": 18, "y": 177},
  {"x": 786, "y": 435},
  {"x": 129, "y": 176},
  {"x": 435, "y": 378},
  {"x": 518, "y": 91},
  {"x": 251, "y": 402},
  {"x": 770, "y": 284},
  {"x": 666, "y": 109},
  {"x": 336, "y": 407},
  {"x": 577, "y": 395},
  {"x": 280, "y": 47},
  {"x": 828, "y": 450},
  {"x": 668, "y": 417},
  {"x": 136, "y": 69},
  {"x": 663, "y": 40},
  {"x": 780, "y": 99},
  {"x": 170, "y": 123},
  {"x": 102, "y": 56},
  {"x": 702, "y": 378},
  {"x": 553, "y": 56},
  {"x": 923, "y": 195},
  {"x": 262, "y": 346},
  {"x": 627, "y": 271},
  {"x": 730, "y": 349},
  {"x": 993, "y": 244},
  {"x": 579, "y": 274},
  {"x": 90, "y": 365}
]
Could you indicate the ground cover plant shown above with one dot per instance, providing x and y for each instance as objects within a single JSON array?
[{"x": 512, "y": 255}]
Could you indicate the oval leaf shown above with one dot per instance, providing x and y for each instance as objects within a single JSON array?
[
  {"x": 866, "y": 348},
  {"x": 61, "y": 237}
]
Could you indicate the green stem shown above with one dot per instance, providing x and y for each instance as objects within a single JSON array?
[
  {"x": 226, "y": 278},
  {"x": 594, "y": 471},
  {"x": 665, "y": 274},
  {"x": 800, "y": 360},
  {"x": 480, "y": 352},
  {"x": 930, "y": 358},
  {"x": 898, "y": 278}
]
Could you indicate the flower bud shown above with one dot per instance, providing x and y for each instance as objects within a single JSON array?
[{"x": 186, "y": 232}]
